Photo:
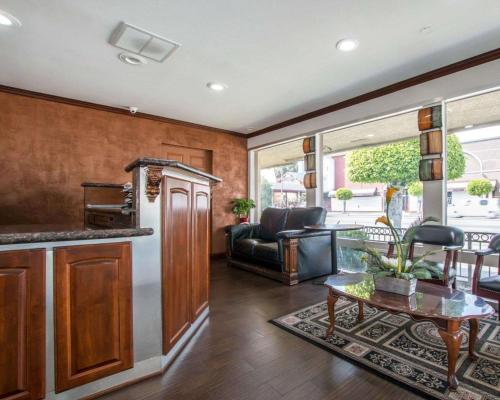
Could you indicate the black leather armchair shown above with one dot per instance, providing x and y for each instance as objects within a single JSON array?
[
  {"x": 450, "y": 238},
  {"x": 488, "y": 287},
  {"x": 279, "y": 247}
]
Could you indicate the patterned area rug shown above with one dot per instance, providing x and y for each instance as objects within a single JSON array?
[{"x": 409, "y": 352}]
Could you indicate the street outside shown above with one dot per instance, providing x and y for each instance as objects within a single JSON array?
[{"x": 468, "y": 224}]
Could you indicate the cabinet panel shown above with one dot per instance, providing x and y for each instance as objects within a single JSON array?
[
  {"x": 176, "y": 259},
  {"x": 93, "y": 312},
  {"x": 201, "y": 246},
  {"x": 22, "y": 324}
]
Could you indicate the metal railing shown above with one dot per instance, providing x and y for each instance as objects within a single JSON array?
[{"x": 473, "y": 241}]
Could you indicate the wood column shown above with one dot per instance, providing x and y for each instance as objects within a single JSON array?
[
  {"x": 200, "y": 269},
  {"x": 290, "y": 262},
  {"x": 176, "y": 259}
]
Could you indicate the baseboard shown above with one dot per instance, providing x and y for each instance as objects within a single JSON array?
[
  {"x": 268, "y": 273},
  {"x": 218, "y": 256},
  {"x": 165, "y": 361},
  {"x": 169, "y": 358}
]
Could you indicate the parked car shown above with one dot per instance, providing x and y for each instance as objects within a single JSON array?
[{"x": 489, "y": 208}]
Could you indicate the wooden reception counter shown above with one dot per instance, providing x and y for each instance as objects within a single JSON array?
[{"x": 84, "y": 311}]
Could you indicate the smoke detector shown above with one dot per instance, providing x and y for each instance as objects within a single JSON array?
[{"x": 143, "y": 43}]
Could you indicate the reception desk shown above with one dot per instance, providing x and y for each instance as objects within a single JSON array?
[{"x": 85, "y": 311}]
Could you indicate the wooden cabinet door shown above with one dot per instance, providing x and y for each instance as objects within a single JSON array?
[
  {"x": 176, "y": 260},
  {"x": 22, "y": 325},
  {"x": 93, "y": 312},
  {"x": 201, "y": 246}
]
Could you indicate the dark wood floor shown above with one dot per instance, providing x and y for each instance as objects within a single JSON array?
[{"x": 237, "y": 354}]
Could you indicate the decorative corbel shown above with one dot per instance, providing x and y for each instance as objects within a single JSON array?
[
  {"x": 290, "y": 273},
  {"x": 153, "y": 180}
]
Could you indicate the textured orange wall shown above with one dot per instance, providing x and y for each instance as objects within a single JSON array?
[{"x": 48, "y": 149}]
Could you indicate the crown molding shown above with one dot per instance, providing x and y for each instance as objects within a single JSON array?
[
  {"x": 395, "y": 87},
  {"x": 116, "y": 110}
]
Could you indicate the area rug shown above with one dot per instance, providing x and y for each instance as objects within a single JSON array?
[{"x": 408, "y": 352}]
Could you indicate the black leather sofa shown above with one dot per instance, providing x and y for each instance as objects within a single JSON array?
[{"x": 279, "y": 247}]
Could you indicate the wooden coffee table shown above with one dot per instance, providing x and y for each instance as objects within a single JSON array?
[{"x": 444, "y": 307}]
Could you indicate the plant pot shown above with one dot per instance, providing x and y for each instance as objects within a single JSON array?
[
  {"x": 394, "y": 285},
  {"x": 243, "y": 220}
]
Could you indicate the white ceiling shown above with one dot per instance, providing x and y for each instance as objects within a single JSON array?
[{"x": 278, "y": 58}]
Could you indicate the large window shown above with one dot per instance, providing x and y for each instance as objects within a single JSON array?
[
  {"x": 280, "y": 176},
  {"x": 359, "y": 163},
  {"x": 473, "y": 196}
]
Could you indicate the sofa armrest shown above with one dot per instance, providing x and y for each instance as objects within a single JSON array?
[
  {"x": 485, "y": 252},
  {"x": 237, "y": 232},
  {"x": 452, "y": 248},
  {"x": 241, "y": 229},
  {"x": 300, "y": 234}
]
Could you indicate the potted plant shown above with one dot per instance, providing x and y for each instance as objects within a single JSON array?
[
  {"x": 241, "y": 208},
  {"x": 397, "y": 275}
]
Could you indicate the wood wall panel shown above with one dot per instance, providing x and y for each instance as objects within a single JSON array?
[
  {"x": 93, "y": 312},
  {"x": 22, "y": 325},
  {"x": 196, "y": 158},
  {"x": 49, "y": 149},
  {"x": 176, "y": 260},
  {"x": 200, "y": 265}
]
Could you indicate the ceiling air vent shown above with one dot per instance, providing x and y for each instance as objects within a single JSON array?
[{"x": 138, "y": 41}]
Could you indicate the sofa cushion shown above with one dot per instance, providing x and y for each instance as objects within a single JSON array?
[
  {"x": 491, "y": 283},
  {"x": 267, "y": 252},
  {"x": 245, "y": 246},
  {"x": 272, "y": 221},
  {"x": 300, "y": 217}
]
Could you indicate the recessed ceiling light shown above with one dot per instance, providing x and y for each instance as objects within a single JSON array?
[
  {"x": 132, "y": 59},
  {"x": 7, "y": 19},
  {"x": 468, "y": 126},
  {"x": 216, "y": 86},
  {"x": 370, "y": 135},
  {"x": 347, "y": 44}
]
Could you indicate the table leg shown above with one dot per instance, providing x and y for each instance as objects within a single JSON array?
[
  {"x": 332, "y": 299},
  {"x": 361, "y": 311},
  {"x": 473, "y": 329},
  {"x": 452, "y": 337},
  {"x": 333, "y": 243}
]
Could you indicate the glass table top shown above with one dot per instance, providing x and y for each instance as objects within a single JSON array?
[{"x": 430, "y": 300}]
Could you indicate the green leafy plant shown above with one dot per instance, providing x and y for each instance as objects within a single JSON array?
[
  {"x": 343, "y": 194},
  {"x": 416, "y": 189},
  {"x": 397, "y": 163},
  {"x": 479, "y": 187},
  {"x": 242, "y": 207},
  {"x": 402, "y": 266}
]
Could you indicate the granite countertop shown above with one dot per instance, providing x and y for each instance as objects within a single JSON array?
[
  {"x": 145, "y": 161},
  {"x": 15, "y": 234}
]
